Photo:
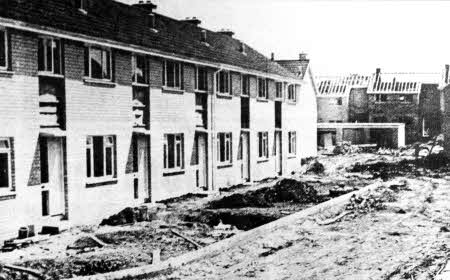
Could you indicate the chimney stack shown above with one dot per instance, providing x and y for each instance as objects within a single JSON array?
[
  {"x": 242, "y": 48},
  {"x": 447, "y": 67},
  {"x": 193, "y": 20},
  {"x": 147, "y": 6},
  {"x": 203, "y": 36},
  {"x": 303, "y": 56},
  {"x": 227, "y": 32}
]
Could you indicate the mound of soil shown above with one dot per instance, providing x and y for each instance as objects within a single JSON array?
[
  {"x": 242, "y": 220},
  {"x": 286, "y": 190},
  {"x": 129, "y": 216}
]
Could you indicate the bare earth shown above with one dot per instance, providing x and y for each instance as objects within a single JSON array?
[
  {"x": 403, "y": 232},
  {"x": 407, "y": 240}
]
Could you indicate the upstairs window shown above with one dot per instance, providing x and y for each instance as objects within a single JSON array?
[
  {"x": 223, "y": 82},
  {"x": 3, "y": 49},
  {"x": 246, "y": 85},
  {"x": 279, "y": 90},
  {"x": 172, "y": 74},
  {"x": 100, "y": 156},
  {"x": 5, "y": 164},
  {"x": 224, "y": 148},
  {"x": 140, "y": 69},
  {"x": 292, "y": 138},
  {"x": 263, "y": 145},
  {"x": 201, "y": 79},
  {"x": 49, "y": 56},
  {"x": 98, "y": 63},
  {"x": 263, "y": 88},
  {"x": 292, "y": 93},
  {"x": 174, "y": 152}
]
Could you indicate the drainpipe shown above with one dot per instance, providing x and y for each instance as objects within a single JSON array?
[{"x": 213, "y": 128}]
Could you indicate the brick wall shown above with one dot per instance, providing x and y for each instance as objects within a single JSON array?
[
  {"x": 156, "y": 74},
  {"x": 123, "y": 68},
  {"x": 330, "y": 111},
  {"x": 24, "y": 53},
  {"x": 430, "y": 104},
  {"x": 396, "y": 111}
]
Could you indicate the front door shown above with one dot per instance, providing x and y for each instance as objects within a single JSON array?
[
  {"x": 278, "y": 153},
  {"x": 202, "y": 168},
  {"x": 55, "y": 177},
  {"x": 141, "y": 179},
  {"x": 245, "y": 167}
]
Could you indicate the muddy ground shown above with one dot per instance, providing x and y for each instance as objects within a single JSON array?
[{"x": 209, "y": 219}]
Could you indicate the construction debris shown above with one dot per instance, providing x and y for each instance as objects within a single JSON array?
[{"x": 186, "y": 238}]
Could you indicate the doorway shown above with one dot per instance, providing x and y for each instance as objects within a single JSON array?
[
  {"x": 52, "y": 176},
  {"x": 245, "y": 162},
  {"x": 201, "y": 144},
  {"x": 278, "y": 153},
  {"x": 141, "y": 166}
]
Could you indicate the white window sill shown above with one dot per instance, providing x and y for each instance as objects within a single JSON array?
[
  {"x": 100, "y": 181},
  {"x": 6, "y": 72},
  {"x": 224, "y": 95},
  {"x": 291, "y": 156},
  {"x": 224, "y": 165},
  {"x": 291, "y": 102},
  {"x": 173, "y": 90},
  {"x": 140, "y": 85},
  {"x": 262, "y": 160},
  {"x": 50, "y": 74},
  {"x": 103, "y": 82},
  {"x": 261, "y": 99},
  {"x": 83, "y": 11},
  {"x": 201, "y": 91},
  {"x": 173, "y": 172}
]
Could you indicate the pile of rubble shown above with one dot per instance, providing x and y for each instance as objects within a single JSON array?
[{"x": 286, "y": 190}]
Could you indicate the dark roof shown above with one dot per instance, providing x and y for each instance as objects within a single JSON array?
[
  {"x": 298, "y": 67},
  {"x": 129, "y": 25}
]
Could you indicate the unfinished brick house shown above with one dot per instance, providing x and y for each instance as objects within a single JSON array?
[
  {"x": 106, "y": 105},
  {"x": 409, "y": 98}
]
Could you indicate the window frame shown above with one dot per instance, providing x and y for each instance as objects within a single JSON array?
[
  {"x": 103, "y": 50},
  {"x": 180, "y": 142},
  {"x": 292, "y": 143},
  {"x": 264, "y": 89},
  {"x": 180, "y": 74},
  {"x": 245, "y": 85},
  {"x": 219, "y": 84},
  {"x": 146, "y": 72},
  {"x": 6, "y": 46},
  {"x": 263, "y": 145},
  {"x": 45, "y": 58},
  {"x": 106, "y": 145},
  {"x": 279, "y": 90},
  {"x": 228, "y": 142},
  {"x": 8, "y": 152},
  {"x": 197, "y": 79},
  {"x": 292, "y": 95}
]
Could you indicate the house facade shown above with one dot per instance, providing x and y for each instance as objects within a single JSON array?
[
  {"x": 106, "y": 105},
  {"x": 412, "y": 99}
]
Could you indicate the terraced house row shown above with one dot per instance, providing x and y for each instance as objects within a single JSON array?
[{"x": 105, "y": 105}]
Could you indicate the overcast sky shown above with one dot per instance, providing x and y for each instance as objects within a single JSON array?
[{"x": 340, "y": 37}]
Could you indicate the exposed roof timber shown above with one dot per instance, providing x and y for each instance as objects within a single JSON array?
[{"x": 10, "y": 23}]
